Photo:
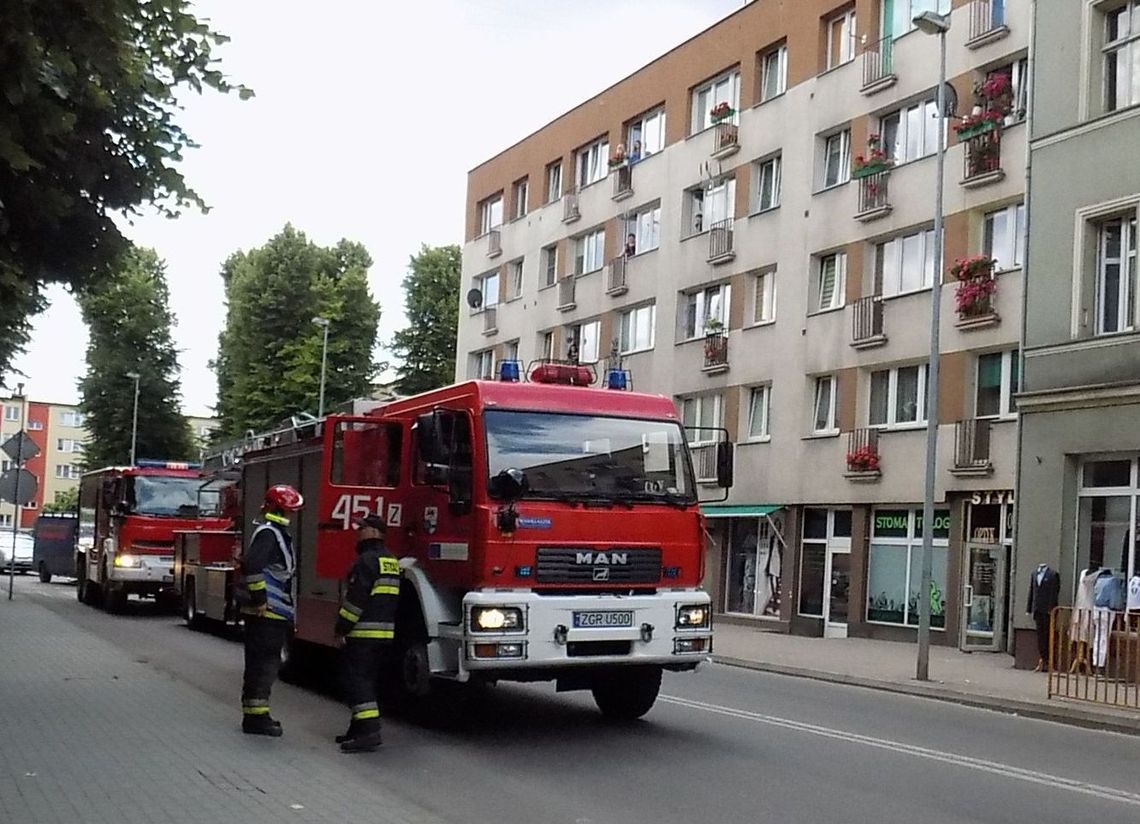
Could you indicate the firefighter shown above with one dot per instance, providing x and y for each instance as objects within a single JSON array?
[
  {"x": 366, "y": 627},
  {"x": 266, "y": 595}
]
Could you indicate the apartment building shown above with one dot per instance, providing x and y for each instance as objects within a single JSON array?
[
  {"x": 721, "y": 223},
  {"x": 1080, "y": 406},
  {"x": 57, "y": 429}
]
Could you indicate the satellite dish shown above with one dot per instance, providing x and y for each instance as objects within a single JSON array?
[
  {"x": 950, "y": 96},
  {"x": 475, "y": 298}
]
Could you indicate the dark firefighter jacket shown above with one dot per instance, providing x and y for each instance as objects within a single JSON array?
[
  {"x": 369, "y": 608},
  {"x": 268, "y": 570}
]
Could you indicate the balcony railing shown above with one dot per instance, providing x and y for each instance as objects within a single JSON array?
[
  {"x": 721, "y": 241},
  {"x": 494, "y": 243},
  {"x": 972, "y": 446},
  {"x": 490, "y": 320},
  {"x": 570, "y": 210},
  {"x": 878, "y": 66},
  {"x": 716, "y": 350},
  {"x": 867, "y": 323},
  {"x": 987, "y": 17},
  {"x": 623, "y": 182},
  {"x": 874, "y": 195},
  {"x": 983, "y": 157},
  {"x": 616, "y": 276},
  {"x": 863, "y": 452},
  {"x": 566, "y": 293},
  {"x": 704, "y": 462},
  {"x": 726, "y": 138}
]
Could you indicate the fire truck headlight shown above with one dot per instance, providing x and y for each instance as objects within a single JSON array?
[
  {"x": 127, "y": 561},
  {"x": 496, "y": 619},
  {"x": 692, "y": 616}
]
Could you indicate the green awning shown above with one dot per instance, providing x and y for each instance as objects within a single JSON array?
[{"x": 738, "y": 510}]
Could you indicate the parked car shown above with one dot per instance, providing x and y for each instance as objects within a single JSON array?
[
  {"x": 55, "y": 536},
  {"x": 23, "y": 551}
]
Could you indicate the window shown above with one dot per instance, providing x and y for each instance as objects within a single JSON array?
[
  {"x": 488, "y": 286},
  {"x": 759, "y": 405},
  {"x": 11, "y": 413},
  {"x": 898, "y": 396},
  {"x": 5, "y": 464},
  {"x": 1108, "y": 518},
  {"x": 549, "y": 265},
  {"x": 646, "y": 135},
  {"x": 35, "y": 426},
  {"x": 553, "y": 181},
  {"x": 1122, "y": 56},
  {"x": 841, "y": 39},
  {"x": 997, "y": 383},
  {"x": 825, "y": 419},
  {"x": 894, "y": 569},
  {"x": 515, "y": 282},
  {"x": 68, "y": 472},
  {"x": 832, "y": 278},
  {"x": 585, "y": 337},
  {"x": 764, "y": 298},
  {"x": 1003, "y": 239},
  {"x": 520, "y": 191},
  {"x": 511, "y": 351},
  {"x": 593, "y": 162},
  {"x": 637, "y": 329},
  {"x": 482, "y": 365},
  {"x": 773, "y": 72},
  {"x": 589, "y": 252},
  {"x": 836, "y": 158},
  {"x": 706, "y": 413},
  {"x": 71, "y": 419},
  {"x": 766, "y": 184},
  {"x": 366, "y": 454},
  {"x": 725, "y": 89},
  {"x": 490, "y": 214},
  {"x": 645, "y": 227},
  {"x": 897, "y": 15},
  {"x": 68, "y": 445},
  {"x": 546, "y": 345},
  {"x": 911, "y": 132},
  {"x": 707, "y": 206},
  {"x": 905, "y": 264},
  {"x": 1018, "y": 75},
  {"x": 1116, "y": 275},
  {"x": 705, "y": 311}
]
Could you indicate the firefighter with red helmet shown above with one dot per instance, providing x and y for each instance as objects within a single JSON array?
[{"x": 267, "y": 596}]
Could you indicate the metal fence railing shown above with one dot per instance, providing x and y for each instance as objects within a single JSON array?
[
  {"x": 877, "y": 62},
  {"x": 616, "y": 276},
  {"x": 566, "y": 292},
  {"x": 720, "y": 239},
  {"x": 570, "y": 206},
  {"x": 986, "y": 16},
  {"x": 972, "y": 444},
  {"x": 623, "y": 181},
  {"x": 704, "y": 461},
  {"x": 716, "y": 349},
  {"x": 1094, "y": 655},
  {"x": 726, "y": 135},
  {"x": 863, "y": 450},
  {"x": 874, "y": 193},
  {"x": 867, "y": 319},
  {"x": 494, "y": 242},
  {"x": 983, "y": 154},
  {"x": 490, "y": 320}
]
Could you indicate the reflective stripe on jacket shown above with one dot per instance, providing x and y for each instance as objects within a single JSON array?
[
  {"x": 268, "y": 573},
  {"x": 372, "y": 595}
]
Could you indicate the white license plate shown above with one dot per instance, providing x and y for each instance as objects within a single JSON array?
[{"x": 603, "y": 618}]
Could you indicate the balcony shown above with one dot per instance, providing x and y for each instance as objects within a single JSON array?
[
  {"x": 570, "y": 211},
  {"x": 972, "y": 448},
  {"x": 721, "y": 248},
  {"x": 623, "y": 182},
  {"x": 716, "y": 352},
  {"x": 863, "y": 455},
  {"x": 987, "y": 23},
  {"x": 878, "y": 66},
  {"x": 726, "y": 139},
  {"x": 704, "y": 462},
  {"x": 566, "y": 288},
  {"x": 867, "y": 323},
  {"x": 874, "y": 196},
  {"x": 975, "y": 299},
  {"x": 490, "y": 320},
  {"x": 494, "y": 243},
  {"x": 616, "y": 276},
  {"x": 982, "y": 156}
]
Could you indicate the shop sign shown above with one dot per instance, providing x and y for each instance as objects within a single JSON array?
[
  {"x": 1001, "y": 496},
  {"x": 894, "y": 523}
]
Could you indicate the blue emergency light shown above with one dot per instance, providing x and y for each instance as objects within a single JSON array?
[
  {"x": 509, "y": 371},
  {"x": 617, "y": 379},
  {"x": 153, "y": 464}
]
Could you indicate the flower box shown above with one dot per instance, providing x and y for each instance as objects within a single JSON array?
[
  {"x": 869, "y": 169},
  {"x": 976, "y": 285},
  {"x": 863, "y": 459},
  {"x": 721, "y": 111},
  {"x": 974, "y": 129}
]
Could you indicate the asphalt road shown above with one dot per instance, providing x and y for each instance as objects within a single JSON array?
[{"x": 722, "y": 745}]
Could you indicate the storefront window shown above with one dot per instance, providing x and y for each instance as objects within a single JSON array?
[
  {"x": 755, "y": 566},
  {"x": 894, "y": 574},
  {"x": 1108, "y": 527},
  {"x": 812, "y": 566}
]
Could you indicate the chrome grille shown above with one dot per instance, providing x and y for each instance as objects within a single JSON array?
[{"x": 560, "y": 565}]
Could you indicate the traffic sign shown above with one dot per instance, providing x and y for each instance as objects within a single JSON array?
[
  {"x": 20, "y": 447},
  {"x": 27, "y": 483}
]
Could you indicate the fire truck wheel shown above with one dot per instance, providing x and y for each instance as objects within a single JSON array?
[
  {"x": 415, "y": 670},
  {"x": 89, "y": 592},
  {"x": 190, "y": 606},
  {"x": 627, "y": 694},
  {"x": 114, "y": 599},
  {"x": 45, "y": 573}
]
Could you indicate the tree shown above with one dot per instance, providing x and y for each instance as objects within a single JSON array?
[
  {"x": 66, "y": 501},
  {"x": 87, "y": 128},
  {"x": 128, "y": 319},
  {"x": 269, "y": 352},
  {"x": 431, "y": 296}
]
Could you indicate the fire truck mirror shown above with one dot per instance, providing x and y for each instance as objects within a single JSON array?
[
  {"x": 724, "y": 464},
  {"x": 509, "y": 485}
]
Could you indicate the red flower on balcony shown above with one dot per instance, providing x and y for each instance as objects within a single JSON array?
[
  {"x": 863, "y": 459},
  {"x": 721, "y": 111},
  {"x": 976, "y": 284}
]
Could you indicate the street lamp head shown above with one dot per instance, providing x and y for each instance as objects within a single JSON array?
[
  {"x": 133, "y": 375},
  {"x": 321, "y": 321},
  {"x": 931, "y": 22}
]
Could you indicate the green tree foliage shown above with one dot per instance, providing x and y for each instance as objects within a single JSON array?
[
  {"x": 128, "y": 319},
  {"x": 269, "y": 352},
  {"x": 88, "y": 97},
  {"x": 431, "y": 296},
  {"x": 66, "y": 501}
]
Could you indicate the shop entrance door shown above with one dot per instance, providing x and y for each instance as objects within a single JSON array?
[
  {"x": 983, "y": 598},
  {"x": 838, "y": 580}
]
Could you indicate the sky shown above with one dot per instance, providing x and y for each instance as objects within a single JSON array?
[{"x": 368, "y": 115}]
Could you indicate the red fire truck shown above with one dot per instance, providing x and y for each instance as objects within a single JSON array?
[
  {"x": 546, "y": 531},
  {"x": 128, "y": 517}
]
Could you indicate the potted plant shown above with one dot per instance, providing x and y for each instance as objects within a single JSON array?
[
  {"x": 714, "y": 340},
  {"x": 993, "y": 105},
  {"x": 618, "y": 157},
  {"x": 874, "y": 162},
  {"x": 863, "y": 459},
  {"x": 721, "y": 111},
  {"x": 976, "y": 285}
]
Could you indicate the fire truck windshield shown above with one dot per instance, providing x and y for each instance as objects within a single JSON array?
[
  {"x": 583, "y": 457},
  {"x": 165, "y": 496}
]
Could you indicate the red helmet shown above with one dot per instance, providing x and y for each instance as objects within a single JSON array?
[{"x": 283, "y": 498}]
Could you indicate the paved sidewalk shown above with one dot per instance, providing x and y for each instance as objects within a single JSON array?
[
  {"x": 90, "y": 735},
  {"x": 977, "y": 679}
]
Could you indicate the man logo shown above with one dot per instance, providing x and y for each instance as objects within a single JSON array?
[
  {"x": 601, "y": 573},
  {"x": 602, "y": 559}
]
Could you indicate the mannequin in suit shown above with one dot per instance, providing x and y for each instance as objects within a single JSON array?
[{"x": 1044, "y": 591}]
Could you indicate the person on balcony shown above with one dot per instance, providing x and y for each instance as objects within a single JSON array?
[{"x": 630, "y": 245}]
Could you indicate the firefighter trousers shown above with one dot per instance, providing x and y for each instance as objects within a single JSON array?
[
  {"x": 362, "y": 664},
  {"x": 264, "y": 640}
]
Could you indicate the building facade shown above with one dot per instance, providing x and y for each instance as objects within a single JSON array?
[
  {"x": 1080, "y": 404},
  {"x": 720, "y": 223}
]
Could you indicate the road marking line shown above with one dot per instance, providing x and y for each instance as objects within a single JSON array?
[{"x": 981, "y": 765}]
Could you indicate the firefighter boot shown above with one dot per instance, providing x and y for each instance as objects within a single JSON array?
[
  {"x": 260, "y": 725},
  {"x": 365, "y": 738},
  {"x": 348, "y": 735}
]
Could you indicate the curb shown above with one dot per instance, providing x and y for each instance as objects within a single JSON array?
[{"x": 1061, "y": 714}]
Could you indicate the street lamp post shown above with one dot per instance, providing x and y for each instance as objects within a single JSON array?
[
  {"x": 930, "y": 22},
  {"x": 17, "y": 509},
  {"x": 135, "y": 416},
  {"x": 324, "y": 324}
]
